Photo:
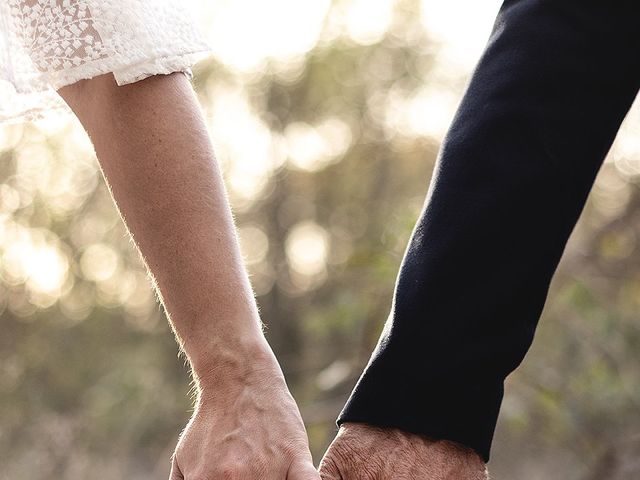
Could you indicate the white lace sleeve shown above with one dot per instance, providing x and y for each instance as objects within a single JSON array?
[{"x": 47, "y": 44}]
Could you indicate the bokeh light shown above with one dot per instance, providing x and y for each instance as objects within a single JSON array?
[{"x": 326, "y": 118}]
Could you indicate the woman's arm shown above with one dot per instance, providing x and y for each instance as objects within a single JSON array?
[{"x": 157, "y": 158}]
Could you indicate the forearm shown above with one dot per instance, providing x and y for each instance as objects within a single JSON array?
[
  {"x": 514, "y": 170},
  {"x": 157, "y": 158}
]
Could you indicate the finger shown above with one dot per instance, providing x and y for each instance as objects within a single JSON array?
[
  {"x": 302, "y": 470},
  {"x": 175, "y": 474},
  {"x": 329, "y": 470}
]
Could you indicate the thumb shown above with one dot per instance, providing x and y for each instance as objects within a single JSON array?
[
  {"x": 302, "y": 470},
  {"x": 175, "y": 474}
]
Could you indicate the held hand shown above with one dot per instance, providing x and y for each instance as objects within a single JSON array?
[
  {"x": 364, "y": 452},
  {"x": 244, "y": 428}
]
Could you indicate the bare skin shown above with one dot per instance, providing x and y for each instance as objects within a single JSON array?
[
  {"x": 364, "y": 452},
  {"x": 156, "y": 156}
]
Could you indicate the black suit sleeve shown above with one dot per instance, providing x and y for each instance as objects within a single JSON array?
[{"x": 536, "y": 121}]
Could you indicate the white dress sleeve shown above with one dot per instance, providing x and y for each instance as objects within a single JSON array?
[{"x": 47, "y": 44}]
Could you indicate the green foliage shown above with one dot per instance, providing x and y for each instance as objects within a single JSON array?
[{"x": 89, "y": 375}]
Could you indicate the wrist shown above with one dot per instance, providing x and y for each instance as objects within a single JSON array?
[
  {"x": 224, "y": 364},
  {"x": 451, "y": 448}
]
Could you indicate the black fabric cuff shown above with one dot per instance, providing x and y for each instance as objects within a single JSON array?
[{"x": 465, "y": 412}]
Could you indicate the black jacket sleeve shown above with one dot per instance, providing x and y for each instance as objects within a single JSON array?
[{"x": 536, "y": 121}]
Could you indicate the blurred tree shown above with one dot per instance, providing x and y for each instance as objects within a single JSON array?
[{"x": 328, "y": 157}]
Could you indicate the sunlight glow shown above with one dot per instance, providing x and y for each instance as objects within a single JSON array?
[
  {"x": 313, "y": 148},
  {"x": 428, "y": 112},
  {"x": 366, "y": 21},
  {"x": 46, "y": 268},
  {"x": 35, "y": 163},
  {"x": 99, "y": 262},
  {"x": 462, "y": 26},
  {"x": 244, "y": 144},
  {"x": 244, "y": 34},
  {"x": 10, "y": 136},
  {"x": 9, "y": 199},
  {"x": 307, "y": 247},
  {"x": 254, "y": 243},
  {"x": 55, "y": 160},
  {"x": 30, "y": 256}
]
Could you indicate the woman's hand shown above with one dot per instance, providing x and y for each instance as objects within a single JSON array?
[
  {"x": 246, "y": 425},
  {"x": 155, "y": 152}
]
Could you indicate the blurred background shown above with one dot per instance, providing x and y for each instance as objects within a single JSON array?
[{"x": 327, "y": 118}]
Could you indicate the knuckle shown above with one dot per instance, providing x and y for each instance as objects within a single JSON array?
[
  {"x": 291, "y": 449},
  {"x": 346, "y": 462},
  {"x": 228, "y": 471},
  {"x": 344, "y": 452}
]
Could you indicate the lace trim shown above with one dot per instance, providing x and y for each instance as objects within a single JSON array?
[
  {"x": 125, "y": 69},
  {"x": 48, "y": 44},
  {"x": 34, "y": 105}
]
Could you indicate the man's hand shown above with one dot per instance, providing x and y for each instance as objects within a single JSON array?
[
  {"x": 246, "y": 426},
  {"x": 364, "y": 452}
]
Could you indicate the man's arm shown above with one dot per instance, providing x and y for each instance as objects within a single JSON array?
[
  {"x": 156, "y": 155},
  {"x": 537, "y": 119}
]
